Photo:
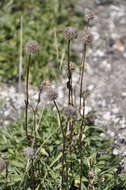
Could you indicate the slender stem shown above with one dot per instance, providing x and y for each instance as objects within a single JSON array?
[
  {"x": 90, "y": 177},
  {"x": 69, "y": 75},
  {"x": 32, "y": 175},
  {"x": 81, "y": 148},
  {"x": 70, "y": 143},
  {"x": 71, "y": 90},
  {"x": 27, "y": 96},
  {"x": 82, "y": 73},
  {"x": 64, "y": 142},
  {"x": 34, "y": 127},
  {"x": 39, "y": 99},
  {"x": 20, "y": 61},
  {"x": 70, "y": 102},
  {"x": 83, "y": 114}
]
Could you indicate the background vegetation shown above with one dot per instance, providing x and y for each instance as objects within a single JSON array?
[{"x": 43, "y": 21}]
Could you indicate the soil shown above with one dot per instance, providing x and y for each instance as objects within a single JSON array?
[{"x": 106, "y": 67}]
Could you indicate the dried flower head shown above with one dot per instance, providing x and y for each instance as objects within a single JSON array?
[
  {"x": 85, "y": 94},
  {"x": 70, "y": 111},
  {"x": 89, "y": 15},
  {"x": 90, "y": 118},
  {"x": 91, "y": 174},
  {"x": 2, "y": 165},
  {"x": 29, "y": 152},
  {"x": 31, "y": 47},
  {"x": 46, "y": 84},
  {"x": 52, "y": 94},
  {"x": 86, "y": 37},
  {"x": 70, "y": 33}
]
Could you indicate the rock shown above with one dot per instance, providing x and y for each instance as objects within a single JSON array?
[
  {"x": 103, "y": 2},
  {"x": 115, "y": 152}
]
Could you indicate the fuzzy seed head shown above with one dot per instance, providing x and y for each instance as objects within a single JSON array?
[
  {"x": 85, "y": 94},
  {"x": 46, "y": 84},
  {"x": 70, "y": 33},
  {"x": 2, "y": 165},
  {"x": 31, "y": 47},
  {"x": 70, "y": 111},
  {"x": 89, "y": 15},
  {"x": 86, "y": 37},
  {"x": 52, "y": 94},
  {"x": 29, "y": 152}
]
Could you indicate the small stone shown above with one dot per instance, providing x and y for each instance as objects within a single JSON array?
[
  {"x": 103, "y": 2},
  {"x": 115, "y": 152},
  {"x": 119, "y": 45},
  {"x": 107, "y": 116}
]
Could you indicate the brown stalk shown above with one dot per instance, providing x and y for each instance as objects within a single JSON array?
[
  {"x": 83, "y": 114},
  {"x": 90, "y": 176},
  {"x": 70, "y": 102},
  {"x": 69, "y": 83},
  {"x": 27, "y": 95}
]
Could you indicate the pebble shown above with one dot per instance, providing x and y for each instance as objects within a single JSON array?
[
  {"x": 103, "y": 2},
  {"x": 115, "y": 152}
]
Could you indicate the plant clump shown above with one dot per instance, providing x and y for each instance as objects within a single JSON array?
[{"x": 82, "y": 162}]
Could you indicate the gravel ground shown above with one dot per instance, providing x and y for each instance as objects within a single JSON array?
[
  {"x": 106, "y": 67},
  {"x": 106, "y": 73}
]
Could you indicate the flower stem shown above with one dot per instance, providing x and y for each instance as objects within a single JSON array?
[
  {"x": 82, "y": 105},
  {"x": 69, "y": 83},
  {"x": 27, "y": 96}
]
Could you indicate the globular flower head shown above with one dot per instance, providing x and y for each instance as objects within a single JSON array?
[
  {"x": 86, "y": 37},
  {"x": 31, "y": 47},
  {"x": 89, "y": 15},
  {"x": 29, "y": 152},
  {"x": 70, "y": 33},
  {"x": 70, "y": 112},
  {"x": 52, "y": 94},
  {"x": 46, "y": 84},
  {"x": 2, "y": 165},
  {"x": 85, "y": 94}
]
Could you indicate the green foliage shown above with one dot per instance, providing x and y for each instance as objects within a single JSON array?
[
  {"x": 43, "y": 21},
  {"x": 47, "y": 161}
]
